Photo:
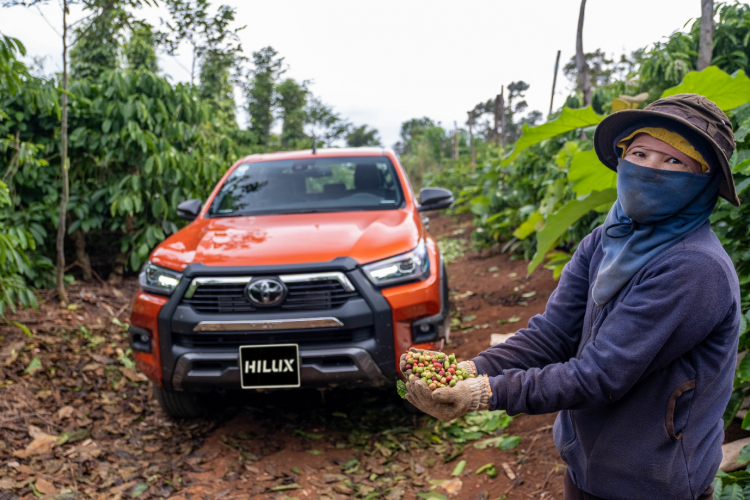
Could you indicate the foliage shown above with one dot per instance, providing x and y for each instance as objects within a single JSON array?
[
  {"x": 11, "y": 69},
  {"x": 140, "y": 50},
  {"x": 361, "y": 136},
  {"x": 260, "y": 92},
  {"x": 98, "y": 44},
  {"x": 726, "y": 91},
  {"x": 292, "y": 100},
  {"x": 569, "y": 119}
]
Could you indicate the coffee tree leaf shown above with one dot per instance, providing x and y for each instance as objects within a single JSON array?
[
  {"x": 569, "y": 119},
  {"x": 588, "y": 174},
  {"x": 560, "y": 221},
  {"x": 726, "y": 91}
]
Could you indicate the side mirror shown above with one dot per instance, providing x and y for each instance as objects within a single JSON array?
[
  {"x": 434, "y": 199},
  {"x": 189, "y": 209}
]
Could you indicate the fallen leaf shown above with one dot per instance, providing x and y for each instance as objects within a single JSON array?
[
  {"x": 102, "y": 359},
  {"x": 453, "y": 486},
  {"x": 133, "y": 375},
  {"x": 9, "y": 484},
  {"x": 44, "y": 486},
  {"x": 65, "y": 412},
  {"x": 344, "y": 490},
  {"x": 138, "y": 490},
  {"x": 33, "y": 367},
  {"x": 152, "y": 448},
  {"x": 42, "y": 443}
]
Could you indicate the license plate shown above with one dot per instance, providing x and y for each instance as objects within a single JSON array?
[{"x": 269, "y": 366}]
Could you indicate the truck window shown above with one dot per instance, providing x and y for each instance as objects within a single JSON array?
[{"x": 309, "y": 185}]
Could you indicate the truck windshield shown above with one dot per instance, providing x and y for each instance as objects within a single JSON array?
[{"x": 309, "y": 185}]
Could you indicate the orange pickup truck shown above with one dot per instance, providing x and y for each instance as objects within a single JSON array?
[{"x": 302, "y": 269}]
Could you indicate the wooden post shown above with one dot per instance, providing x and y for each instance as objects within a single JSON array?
[
  {"x": 584, "y": 79},
  {"x": 705, "y": 46},
  {"x": 554, "y": 82},
  {"x": 501, "y": 107},
  {"x": 496, "y": 113},
  {"x": 455, "y": 140},
  {"x": 60, "y": 239},
  {"x": 470, "y": 122}
]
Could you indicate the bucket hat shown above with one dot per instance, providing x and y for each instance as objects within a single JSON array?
[{"x": 691, "y": 115}]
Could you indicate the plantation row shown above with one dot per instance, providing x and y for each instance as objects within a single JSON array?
[
  {"x": 540, "y": 198},
  {"x": 137, "y": 145}
]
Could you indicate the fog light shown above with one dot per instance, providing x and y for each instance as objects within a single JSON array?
[
  {"x": 140, "y": 339},
  {"x": 424, "y": 328}
]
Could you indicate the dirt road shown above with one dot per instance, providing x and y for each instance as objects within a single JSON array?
[{"x": 78, "y": 421}]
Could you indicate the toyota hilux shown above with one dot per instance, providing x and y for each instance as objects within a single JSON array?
[{"x": 301, "y": 269}]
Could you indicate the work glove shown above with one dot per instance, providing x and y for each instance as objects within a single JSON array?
[
  {"x": 466, "y": 365},
  {"x": 450, "y": 402}
]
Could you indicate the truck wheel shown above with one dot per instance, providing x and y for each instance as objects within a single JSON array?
[{"x": 179, "y": 404}]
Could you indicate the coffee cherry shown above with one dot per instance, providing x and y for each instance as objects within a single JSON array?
[{"x": 437, "y": 370}]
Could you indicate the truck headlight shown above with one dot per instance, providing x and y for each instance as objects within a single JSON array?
[
  {"x": 410, "y": 266},
  {"x": 157, "y": 279}
]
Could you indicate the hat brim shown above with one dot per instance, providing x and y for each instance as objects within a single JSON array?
[{"x": 609, "y": 128}]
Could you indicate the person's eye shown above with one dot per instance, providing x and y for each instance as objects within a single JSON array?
[
  {"x": 674, "y": 161},
  {"x": 639, "y": 154}
]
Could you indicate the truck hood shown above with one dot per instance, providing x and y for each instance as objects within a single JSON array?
[{"x": 366, "y": 236}]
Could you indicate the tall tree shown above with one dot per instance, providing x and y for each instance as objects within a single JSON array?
[
  {"x": 324, "y": 124},
  {"x": 292, "y": 99},
  {"x": 140, "y": 51},
  {"x": 192, "y": 24},
  {"x": 583, "y": 67},
  {"x": 97, "y": 45},
  {"x": 361, "y": 136},
  {"x": 260, "y": 91},
  {"x": 705, "y": 49},
  {"x": 216, "y": 85}
]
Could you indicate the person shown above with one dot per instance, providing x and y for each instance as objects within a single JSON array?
[{"x": 637, "y": 346}]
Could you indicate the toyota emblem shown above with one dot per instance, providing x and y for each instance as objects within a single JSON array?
[{"x": 266, "y": 292}]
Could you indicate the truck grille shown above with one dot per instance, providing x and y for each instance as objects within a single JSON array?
[
  {"x": 310, "y": 337},
  {"x": 304, "y": 295}
]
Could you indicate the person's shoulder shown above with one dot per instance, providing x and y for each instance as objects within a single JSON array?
[
  {"x": 700, "y": 255},
  {"x": 592, "y": 241}
]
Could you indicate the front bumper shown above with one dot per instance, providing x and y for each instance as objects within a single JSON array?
[
  {"x": 199, "y": 351},
  {"x": 320, "y": 368}
]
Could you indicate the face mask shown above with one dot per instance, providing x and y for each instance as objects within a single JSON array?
[
  {"x": 654, "y": 210},
  {"x": 650, "y": 196}
]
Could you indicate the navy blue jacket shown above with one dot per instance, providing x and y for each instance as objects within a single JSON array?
[{"x": 641, "y": 383}]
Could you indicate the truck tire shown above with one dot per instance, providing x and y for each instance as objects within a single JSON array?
[{"x": 179, "y": 404}]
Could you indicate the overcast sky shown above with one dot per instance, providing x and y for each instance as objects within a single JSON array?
[{"x": 382, "y": 62}]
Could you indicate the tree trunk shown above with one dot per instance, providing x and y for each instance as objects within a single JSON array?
[
  {"x": 118, "y": 270},
  {"x": 60, "y": 240},
  {"x": 455, "y": 140},
  {"x": 79, "y": 240},
  {"x": 496, "y": 112},
  {"x": 705, "y": 48},
  {"x": 554, "y": 83},
  {"x": 584, "y": 79},
  {"x": 502, "y": 117},
  {"x": 471, "y": 139},
  {"x": 121, "y": 259}
]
